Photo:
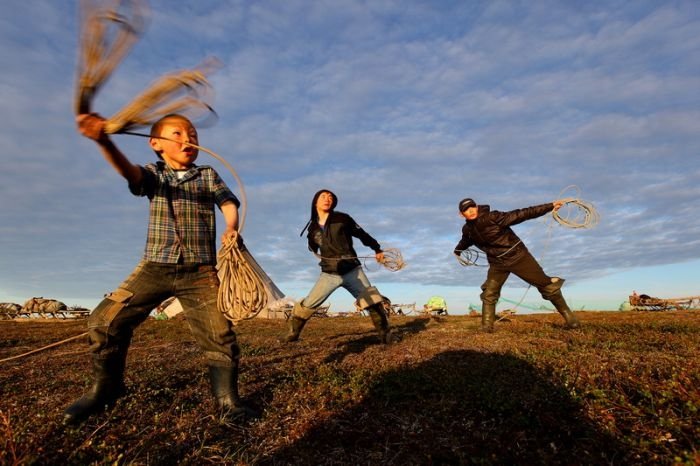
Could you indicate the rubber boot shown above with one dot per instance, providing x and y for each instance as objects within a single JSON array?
[
  {"x": 563, "y": 309},
  {"x": 224, "y": 387},
  {"x": 378, "y": 315},
  {"x": 488, "y": 317},
  {"x": 296, "y": 325},
  {"x": 107, "y": 388}
]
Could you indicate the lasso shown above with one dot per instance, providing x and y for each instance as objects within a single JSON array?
[
  {"x": 393, "y": 259},
  {"x": 470, "y": 257}
]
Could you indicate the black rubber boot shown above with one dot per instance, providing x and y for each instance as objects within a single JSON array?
[
  {"x": 381, "y": 322},
  {"x": 296, "y": 325},
  {"x": 107, "y": 388},
  {"x": 224, "y": 387},
  {"x": 563, "y": 309},
  {"x": 488, "y": 317}
]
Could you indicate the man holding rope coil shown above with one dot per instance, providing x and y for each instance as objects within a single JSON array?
[
  {"x": 330, "y": 238},
  {"x": 490, "y": 231},
  {"x": 178, "y": 261}
]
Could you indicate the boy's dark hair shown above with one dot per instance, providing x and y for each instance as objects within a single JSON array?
[{"x": 158, "y": 125}]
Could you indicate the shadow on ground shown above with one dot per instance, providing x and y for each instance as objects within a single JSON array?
[{"x": 488, "y": 409}]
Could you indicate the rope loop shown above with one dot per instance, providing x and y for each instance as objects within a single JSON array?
[
  {"x": 576, "y": 213},
  {"x": 393, "y": 260},
  {"x": 470, "y": 257}
]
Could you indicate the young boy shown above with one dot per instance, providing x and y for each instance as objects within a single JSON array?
[
  {"x": 490, "y": 231},
  {"x": 179, "y": 260},
  {"x": 330, "y": 236}
]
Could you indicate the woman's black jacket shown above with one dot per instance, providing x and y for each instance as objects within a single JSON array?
[{"x": 333, "y": 242}]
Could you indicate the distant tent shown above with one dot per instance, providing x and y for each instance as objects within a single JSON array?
[
  {"x": 436, "y": 304},
  {"x": 276, "y": 302},
  {"x": 274, "y": 294}
]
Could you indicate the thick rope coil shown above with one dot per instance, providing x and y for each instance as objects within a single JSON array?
[{"x": 242, "y": 294}]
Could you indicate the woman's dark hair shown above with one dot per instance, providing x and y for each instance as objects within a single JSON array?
[{"x": 314, "y": 214}]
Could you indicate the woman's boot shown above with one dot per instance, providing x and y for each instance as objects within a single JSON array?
[{"x": 381, "y": 322}]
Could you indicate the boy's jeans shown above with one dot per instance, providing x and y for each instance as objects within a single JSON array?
[
  {"x": 355, "y": 281},
  {"x": 111, "y": 324}
]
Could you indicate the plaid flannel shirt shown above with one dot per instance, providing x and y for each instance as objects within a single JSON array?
[{"x": 182, "y": 223}]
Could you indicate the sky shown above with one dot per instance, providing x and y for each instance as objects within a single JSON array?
[{"x": 401, "y": 108}]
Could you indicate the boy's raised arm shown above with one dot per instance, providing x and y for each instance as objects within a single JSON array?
[{"x": 91, "y": 126}]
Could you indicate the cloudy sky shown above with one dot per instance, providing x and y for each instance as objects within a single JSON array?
[{"x": 401, "y": 108}]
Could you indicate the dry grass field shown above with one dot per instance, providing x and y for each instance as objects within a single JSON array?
[{"x": 624, "y": 389}]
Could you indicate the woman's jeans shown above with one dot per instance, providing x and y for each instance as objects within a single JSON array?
[{"x": 355, "y": 281}]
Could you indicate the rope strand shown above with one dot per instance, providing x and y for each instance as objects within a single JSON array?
[{"x": 393, "y": 259}]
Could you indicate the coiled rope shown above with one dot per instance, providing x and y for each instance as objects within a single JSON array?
[
  {"x": 242, "y": 293},
  {"x": 576, "y": 213},
  {"x": 393, "y": 259},
  {"x": 469, "y": 258}
]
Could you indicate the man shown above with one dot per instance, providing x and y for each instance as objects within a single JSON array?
[{"x": 490, "y": 231}]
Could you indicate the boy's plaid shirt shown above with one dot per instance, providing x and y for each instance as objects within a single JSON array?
[{"x": 182, "y": 223}]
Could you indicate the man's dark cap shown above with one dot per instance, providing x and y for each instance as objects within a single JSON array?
[{"x": 464, "y": 204}]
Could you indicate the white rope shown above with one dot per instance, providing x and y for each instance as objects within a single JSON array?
[{"x": 575, "y": 213}]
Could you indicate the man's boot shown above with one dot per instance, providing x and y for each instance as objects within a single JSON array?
[
  {"x": 381, "y": 322},
  {"x": 107, "y": 388},
  {"x": 563, "y": 309},
  {"x": 224, "y": 387},
  {"x": 488, "y": 317}
]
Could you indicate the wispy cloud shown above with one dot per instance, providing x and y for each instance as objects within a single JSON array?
[{"x": 400, "y": 108}]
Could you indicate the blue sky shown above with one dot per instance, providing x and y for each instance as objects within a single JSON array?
[{"x": 401, "y": 108}]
